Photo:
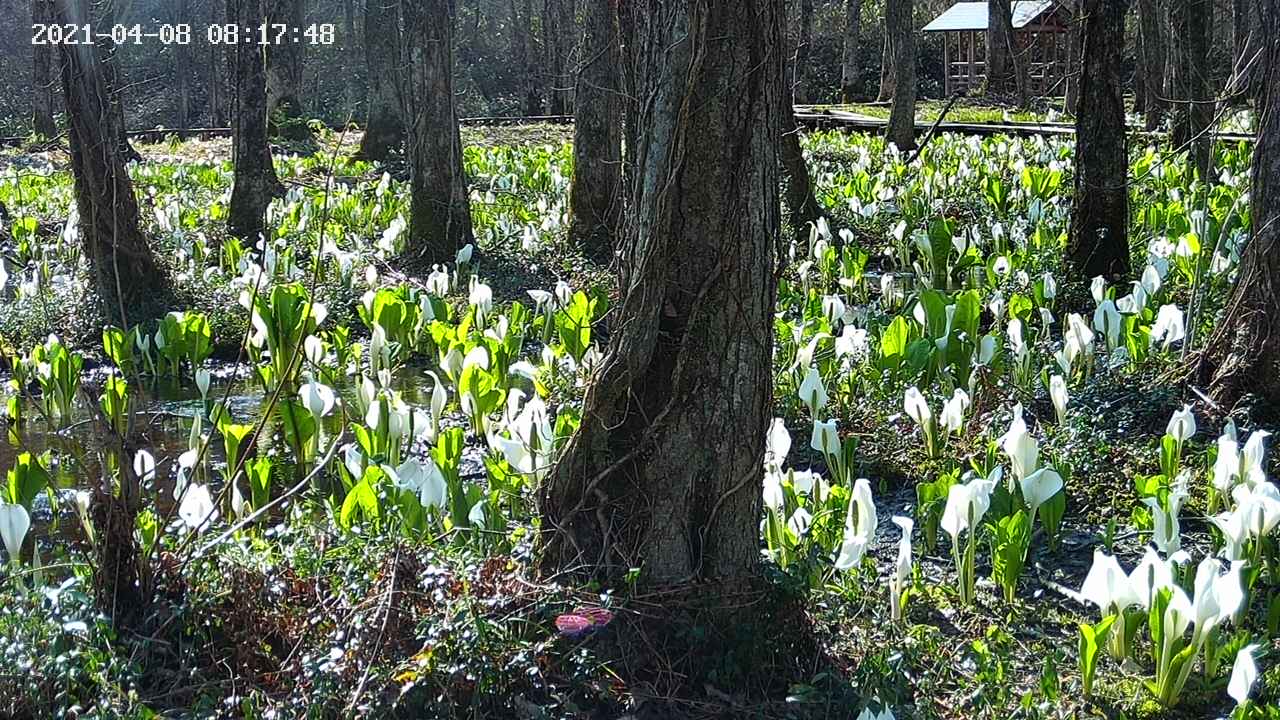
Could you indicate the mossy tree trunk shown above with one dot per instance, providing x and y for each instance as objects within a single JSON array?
[
  {"x": 122, "y": 266},
  {"x": 1100, "y": 214},
  {"x": 1243, "y": 355},
  {"x": 664, "y": 472},
  {"x": 439, "y": 208},
  {"x": 384, "y": 129},
  {"x": 595, "y": 195},
  {"x": 255, "y": 180},
  {"x": 901, "y": 35}
]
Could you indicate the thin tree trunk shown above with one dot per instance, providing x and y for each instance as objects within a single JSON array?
[
  {"x": 664, "y": 473},
  {"x": 1100, "y": 214},
  {"x": 221, "y": 67},
  {"x": 1075, "y": 40},
  {"x": 887, "y": 76},
  {"x": 1139, "y": 74},
  {"x": 385, "y": 127},
  {"x": 122, "y": 266},
  {"x": 183, "y": 67},
  {"x": 351, "y": 55},
  {"x": 555, "y": 32},
  {"x": 1247, "y": 49},
  {"x": 284, "y": 72},
  {"x": 1152, "y": 26},
  {"x": 630, "y": 96},
  {"x": 802, "y": 206},
  {"x": 901, "y": 34},
  {"x": 801, "y": 70},
  {"x": 255, "y": 176},
  {"x": 1243, "y": 356},
  {"x": 439, "y": 209},
  {"x": 42, "y": 82},
  {"x": 533, "y": 79},
  {"x": 849, "y": 63},
  {"x": 1193, "y": 87},
  {"x": 595, "y": 195}
]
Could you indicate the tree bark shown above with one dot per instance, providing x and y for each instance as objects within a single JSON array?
[
  {"x": 284, "y": 72},
  {"x": 533, "y": 102},
  {"x": 849, "y": 63},
  {"x": 439, "y": 208},
  {"x": 901, "y": 34},
  {"x": 122, "y": 267},
  {"x": 1153, "y": 28},
  {"x": 255, "y": 180},
  {"x": 800, "y": 70},
  {"x": 557, "y": 27},
  {"x": 664, "y": 473},
  {"x": 384, "y": 129},
  {"x": 1075, "y": 40},
  {"x": 1100, "y": 213},
  {"x": 1243, "y": 356},
  {"x": 221, "y": 67},
  {"x": 1003, "y": 73},
  {"x": 886, "y": 65},
  {"x": 1139, "y": 73},
  {"x": 595, "y": 194},
  {"x": 183, "y": 67},
  {"x": 802, "y": 206},
  {"x": 1192, "y": 22},
  {"x": 1248, "y": 47},
  {"x": 42, "y": 82}
]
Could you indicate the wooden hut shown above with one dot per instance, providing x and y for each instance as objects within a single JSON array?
[{"x": 1040, "y": 32}]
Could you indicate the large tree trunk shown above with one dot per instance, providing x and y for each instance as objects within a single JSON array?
[
  {"x": 384, "y": 129},
  {"x": 1100, "y": 214},
  {"x": 1004, "y": 77},
  {"x": 42, "y": 83},
  {"x": 595, "y": 196},
  {"x": 1153, "y": 28},
  {"x": 1243, "y": 356},
  {"x": 439, "y": 208},
  {"x": 284, "y": 72},
  {"x": 255, "y": 177},
  {"x": 122, "y": 267},
  {"x": 901, "y": 35},
  {"x": 800, "y": 70},
  {"x": 664, "y": 473},
  {"x": 1192, "y": 22},
  {"x": 849, "y": 63}
]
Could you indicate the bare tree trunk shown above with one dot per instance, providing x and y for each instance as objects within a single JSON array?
[
  {"x": 42, "y": 82},
  {"x": 1075, "y": 40},
  {"x": 557, "y": 28},
  {"x": 1100, "y": 213},
  {"x": 802, "y": 206},
  {"x": 1248, "y": 46},
  {"x": 255, "y": 176},
  {"x": 1152, "y": 27},
  {"x": 849, "y": 63},
  {"x": 1243, "y": 356},
  {"x": 1139, "y": 74},
  {"x": 801, "y": 70},
  {"x": 529, "y": 61},
  {"x": 595, "y": 195},
  {"x": 183, "y": 67},
  {"x": 351, "y": 53},
  {"x": 221, "y": 66},
  {"x": 384, "y": 129},
  {"x": 122, "y": 266},
  {"x": 1193, "y": 87},
  {"x": 887, "y": 76},
  {"x": 284, "y": 72},
  {"x": 900, "y": 33},
  {"x": 664, "y": 472},
  {"x": 628, "y": 37},
  {"x": 1003, "y": 74},
  {"x": 439, "y": 209}
]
